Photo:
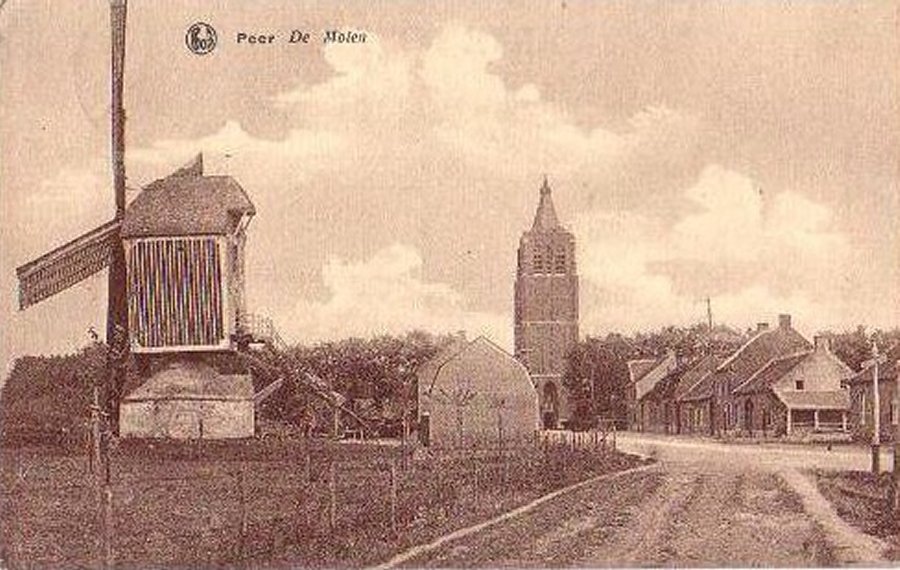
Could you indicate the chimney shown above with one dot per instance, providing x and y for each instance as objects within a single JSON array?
[
  {"x": 822, "y": 342},
  {"x": 760, "y": 327},
  {"x": 784, "y": 321}
]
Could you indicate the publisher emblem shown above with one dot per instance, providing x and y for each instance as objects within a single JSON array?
[{"x": 200, "y": 38}]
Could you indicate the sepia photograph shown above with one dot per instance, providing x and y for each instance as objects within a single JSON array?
[{"x": 451, "y": 284}]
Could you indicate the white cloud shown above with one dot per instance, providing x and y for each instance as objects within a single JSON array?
[
  {"x": 760, "y": 254},
  {"x": 385, "y": 295}
]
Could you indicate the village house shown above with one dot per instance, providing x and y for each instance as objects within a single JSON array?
[
  {"x": 795, "y": 394},
  {"x": 475, "y": 394},
  {"x": 764, "y": 346},
  {"x": 644, "y": 375},
  {"x": 862, "y": 405},
  {"x": 694, "y": 397},
  {"x": 658, "y": 407}
]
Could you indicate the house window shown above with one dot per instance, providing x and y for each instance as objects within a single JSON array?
[{"x": 799, "y": 385}]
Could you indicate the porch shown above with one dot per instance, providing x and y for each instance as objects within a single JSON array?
[{"x": 816, "y": 412}]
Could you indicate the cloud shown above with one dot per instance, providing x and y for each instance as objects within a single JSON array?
[
  {"x": 385, "y": 295},
  {"x": 753, "y": 253}
]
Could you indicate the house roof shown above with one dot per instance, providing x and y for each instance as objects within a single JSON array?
[
  {"x": 698, "y": 381},
  {"x": 692, "y": 379},
  {"x": 187, "y": 203},
  {"x": 886, "y": 371},
  {"x": 803, "y": 400},
  {"x": 654, "y": 373},
  {"x": 428, "y": 372},
  {"x": 638, "y": 368},
  {"x": 545, "y": 218},
  {"x": 757, "y": 353},
  {"x": 771, "y": 372},
  {"x": 670, "y": 383}
]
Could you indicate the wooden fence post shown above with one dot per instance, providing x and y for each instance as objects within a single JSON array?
[
  {"x": 332, "y": 495},
  {"x": 242, "y": 502},
  {"x": 108, "y": 525},
  {"x": 394, "y": 496},
  {"x": 307, "y": 483}
]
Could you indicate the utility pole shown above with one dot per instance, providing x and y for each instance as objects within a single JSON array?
[
  {"x": 876, "y": 412},
  {"x": 117, "y": 309},
  {"x": 895, "y": 483}
]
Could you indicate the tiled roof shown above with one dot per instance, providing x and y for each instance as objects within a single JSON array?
[
  {"x": 757, "y": 353},
  {"x": 187, "y": 204},
  {"x": 428, "y": 370},
  {"x": 668, "y": 385},
  {"x": 771, "y": 372},
  {"x": 661, "y": 367},
  {"x": 699, "y": 370},
  {"x": 638, "y": 368},
  {"x": 698, "y": 382},
  {"x": 802, "y": 400},
  {"x": 886, "y": 371}
]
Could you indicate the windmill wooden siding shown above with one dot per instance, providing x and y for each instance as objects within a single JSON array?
[{"x": 177, "y": 298}]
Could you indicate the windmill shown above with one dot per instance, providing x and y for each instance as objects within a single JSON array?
[{"x": 176, "y": 299}]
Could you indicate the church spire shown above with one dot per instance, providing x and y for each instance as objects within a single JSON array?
[{"x": 545, "y": 217}]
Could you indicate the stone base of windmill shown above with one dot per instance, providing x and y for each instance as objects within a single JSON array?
[{"x": 189, "y": 400}]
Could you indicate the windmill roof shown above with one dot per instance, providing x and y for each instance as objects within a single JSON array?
[{"x": 187, "y": 204}]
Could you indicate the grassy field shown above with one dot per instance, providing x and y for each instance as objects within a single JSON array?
[
  {"x": 267, "y": 503},
  {"x": 860, "y": 498}
]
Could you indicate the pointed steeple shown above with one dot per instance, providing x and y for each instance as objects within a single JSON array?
[{"x": 545, "y": 217}]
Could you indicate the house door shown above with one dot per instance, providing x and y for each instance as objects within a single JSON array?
[
  {"x": 748, "y": 415},
  {"x": 550, "y": 406}
]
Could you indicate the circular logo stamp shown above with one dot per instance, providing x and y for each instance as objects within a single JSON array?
[{"x": 200, "y": 38}]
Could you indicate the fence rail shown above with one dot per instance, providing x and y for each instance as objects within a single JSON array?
[{"x": 306, "y": 504}]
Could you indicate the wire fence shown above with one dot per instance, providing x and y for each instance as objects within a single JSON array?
[{"x": 257, "y": 502}]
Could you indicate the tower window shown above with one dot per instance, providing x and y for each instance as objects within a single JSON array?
[
  {"x": 538, "y": 263},
  {"x": 560, "y": 263}
]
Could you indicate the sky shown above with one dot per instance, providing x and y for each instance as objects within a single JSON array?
[{"x": 741, "y": 151}]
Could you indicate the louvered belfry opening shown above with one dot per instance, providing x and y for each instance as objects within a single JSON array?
[{"x": 176, "y": 293}]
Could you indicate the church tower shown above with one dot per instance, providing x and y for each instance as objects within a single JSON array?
[{"x": 546, "y": 308}]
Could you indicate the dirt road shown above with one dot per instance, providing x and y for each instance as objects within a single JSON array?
[{"x": 700, "y": 507}]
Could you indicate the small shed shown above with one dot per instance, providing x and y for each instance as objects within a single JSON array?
[
  {"x": 475, "y": 393},
  {"x": 189, "y": 400}
]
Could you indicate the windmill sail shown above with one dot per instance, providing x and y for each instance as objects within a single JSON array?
[{"x": 66, "y": 265}]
